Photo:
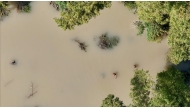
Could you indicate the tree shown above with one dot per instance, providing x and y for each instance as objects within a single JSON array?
[
  {"x": 142, "y": 83},
  {"x": 79, "y": 13},
  {"x": 155, "y": 16},
  {"x": 110, "y": 101},
  {"x": 4, "y": 10},
  {"x": 154, "y": 11},
  {"x": 179, "y": 33},
  {"x": 171, "y": 89},
  {"x": 130, "y": 5}
]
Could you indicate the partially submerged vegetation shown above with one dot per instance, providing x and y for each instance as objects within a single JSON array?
[
  {"x": 108, "y": 42},
  {"x": 140, "y": 27},
  {"x": 24, "y": 6},
  {"x": 4, "y": 10}
]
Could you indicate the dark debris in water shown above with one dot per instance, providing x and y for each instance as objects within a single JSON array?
[{"x": 82, "y": 45}]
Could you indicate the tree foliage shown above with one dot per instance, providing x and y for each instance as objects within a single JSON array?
[
  {"x": 111, "y": 101},
  {"x": 154, "y": 32},
  {"x": 79, "y": 13},
  {"x": 4, "y": 10},
  {"x": 171, "y": 89},
  {"x": 140, "y": 92},
  {"x": 62, "y": 4},
  {"x": 140, "y": 27},
  {"x": 179, "y": 33},
  {"x": 153, "y": 11},
  {"x": 24, "y": 6},
  {"x": 130, "y": 5}
]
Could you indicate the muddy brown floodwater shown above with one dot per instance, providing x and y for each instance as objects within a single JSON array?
[{"x": 64, "y": 75}]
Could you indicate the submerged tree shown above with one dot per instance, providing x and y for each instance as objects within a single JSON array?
[
  {"x": 24, "y": 6},
  {"x": 108, "y": 42},
  {"x": 140, "y": 92},
  {"x": 110, "y": 101},
  {"x": 4, "y": 10},
  {"x": 79, "y": 13}
]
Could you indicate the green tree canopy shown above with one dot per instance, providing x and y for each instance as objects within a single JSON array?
[
  {"x": 171, "y": 89},
  {"x": 62, "y": 4},
  {"x": 130, "y": 5},
  {"x": 142, "y": 83},
  {"x": 110, "y": 101},
  {"x": 153, "y": 11},
  {"x": 179, "y": 33},
  {"x": 79, "y": 13}
]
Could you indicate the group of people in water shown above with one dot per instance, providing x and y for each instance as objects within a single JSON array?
[{"x": 115, "y": 73}]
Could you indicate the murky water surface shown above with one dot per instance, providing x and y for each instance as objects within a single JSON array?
[{"x": 64, "y": 75}]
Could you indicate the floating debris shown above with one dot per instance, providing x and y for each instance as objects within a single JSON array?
[
  {"x": 32, "y": 94},
  {"x": 108, "y": 42},
  {"x": 8, "y": 82},
  {"x": 82, "y": 45}
]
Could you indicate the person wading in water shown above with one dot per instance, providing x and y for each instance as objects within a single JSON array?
[
  {"x": 135, "y": 65},
  {"x": 115, "y": 75},
  {"x": 13, "y": 62}
]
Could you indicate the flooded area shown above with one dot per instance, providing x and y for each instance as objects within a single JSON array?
[{"x": 65, "y": 75}]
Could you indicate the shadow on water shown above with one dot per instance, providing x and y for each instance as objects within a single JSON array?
[{"x": 184, "y": 67}]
